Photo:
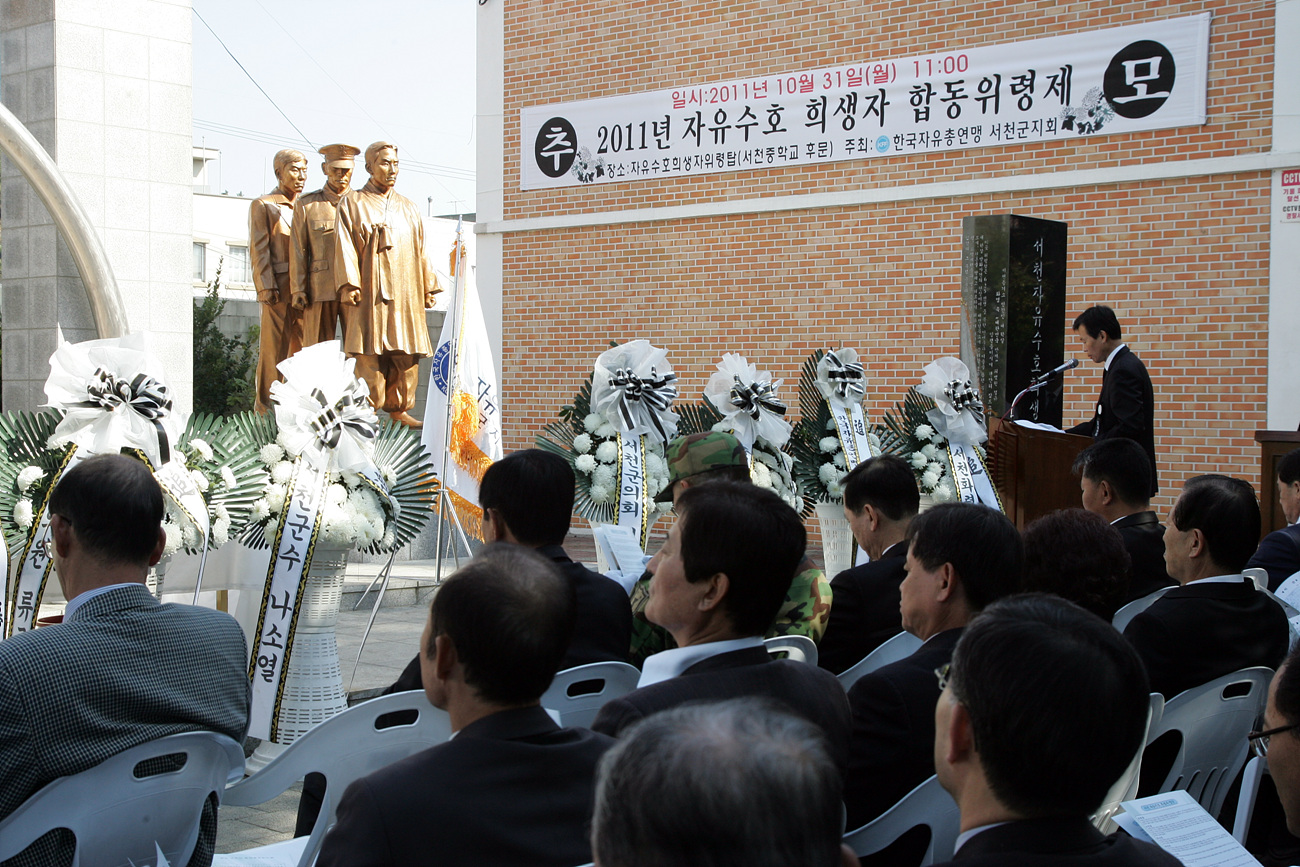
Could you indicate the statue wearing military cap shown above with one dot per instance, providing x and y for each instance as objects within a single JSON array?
[{"x": 311, "y": 273}]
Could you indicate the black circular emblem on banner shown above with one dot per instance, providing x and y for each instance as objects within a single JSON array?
[
  {"x": 1139, "y": 79},
  {"x": 556, "y": 147}
]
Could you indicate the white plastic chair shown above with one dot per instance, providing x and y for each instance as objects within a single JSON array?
[
  {"x": 119, "y": 818},
  {"x": 1214, "y": 720},
  {"x": 1256, "y": 770},
  {"x": 928, "y": 804},
  {"x": 577, "y": 694},
  {"x": 1125, "y": 788},
  {"x": 799, "y": 648},
  {"x": 901, "y": 646},
  {"x": 1258, "y": 575},
  {"x": 1136, "y": 607},
  {"x": 344, "y": 748}
]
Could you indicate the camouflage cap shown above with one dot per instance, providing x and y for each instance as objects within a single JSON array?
[{"x": 698, "y": 452}]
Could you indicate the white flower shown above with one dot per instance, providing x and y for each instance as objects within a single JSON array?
[
  {"x": 929, "y": 479},
  {"x": 827, "y": 473},
  {"x": 275, "y": 497},
  {"x": 582, "y": 443},
  {"x": 830, "y": 424},
  {"x": 190, "y": 537},
  {"x": 835, "y": 490},
  {"x": 603, "y": 476},
  {"x": 874, "y": 442},
  {"x": 929, "y": 451},
  {"x": 593, "y": 422},
  {"x": 762, "y": 475},
  {"x": 924, "y": 432},
  {"x": 200, "y": 481},
  {"x": 584, "y": 464},
  {"x": 655, "y": 466},
  {"x": 202, "y": 447},
  {"x": 282, "y": 472},
  {"x": 173, "y": 543},
  {"x": 722, "y": 427},
  {"x": 28, "y": 477},
  {"x": 23, "y": 513},
  {"x": 663, "y": 507},
  {"x": 829, "y": 444},
  {"x": 918, "y": 461},
  {"x": 937, "y": 438},
  {"x": 221, "y": 513},
  {"x": 839, "y": 460},
  {"x": 945, "y": 491},
  {"x": 335, "y": 495},
  {"x": 228, "y": 477},
  {"x": 220, "y": 533},
  {"x": 389, "y": 477},
  {"x": 389, "y": 540},
  {"x": 606, "y": 431},
  {"x": 607, "y": 453},
  {"x": 270, "y": 454},
  {"x": 282, "y": 442},
  {"x": 600, "y": 494},
  {"x": 934, "y": 467},
  {"x": 261, "y": 509}
]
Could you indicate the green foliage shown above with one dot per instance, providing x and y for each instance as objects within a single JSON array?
[
  {"x": 696, "y": 417},
  {"x": 223, "y": 366}
]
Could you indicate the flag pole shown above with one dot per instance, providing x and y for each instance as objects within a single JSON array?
[{"x": 453, "y": 373}]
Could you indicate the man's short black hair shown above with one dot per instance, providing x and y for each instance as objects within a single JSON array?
[
  {"x": 1226, "y": 512},
  {"x": 981, "y": 544},
  {"x": 115, "y": 508},
  {"x": 533, "y": 492},
  {"x": 1122, "y": 464},
  {"x": 1288, "y": 469},
  {"x": 751, "y": 535},
  {"x": 1097, "y": 319},
  {"x": 511, "y": 615},
  {"x": 1078, "y": 556},
  {"x": 1058, "y": 703},
  {"x": 743, "y": 781},
  {"x": 887, "y": 484}
]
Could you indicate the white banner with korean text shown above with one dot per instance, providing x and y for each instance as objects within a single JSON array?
[{"x": 1101, "y": 82}]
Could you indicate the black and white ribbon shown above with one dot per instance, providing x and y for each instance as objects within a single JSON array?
[
  {"x": 755, "y": 398},
  {"x": 963, "y": 395},
  {"x": 846, "y": 378},
  {"x": 143, "y": 395},
  {"x": 351, "y": 413},
  {"x": 644, "y": 397}
]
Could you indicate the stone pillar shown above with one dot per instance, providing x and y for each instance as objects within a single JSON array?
[{"x": 106, "y": 89}]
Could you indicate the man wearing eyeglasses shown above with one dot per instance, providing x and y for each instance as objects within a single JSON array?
[{"x": 1278, "y": 743}]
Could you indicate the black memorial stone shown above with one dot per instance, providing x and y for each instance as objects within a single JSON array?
[{"x": 1013, "y": 310}]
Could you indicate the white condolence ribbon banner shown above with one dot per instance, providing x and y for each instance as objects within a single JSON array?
[
  {"x": 24, "y": 591},
  {"x": 635, "y": 507},
  {"x": 841, "y": 381},
  {"x": 1100, "y": 82},
  {"x": 958, "y": 417}
]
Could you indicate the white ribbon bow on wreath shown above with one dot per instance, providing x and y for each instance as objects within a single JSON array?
[
  {"x": 746, "y": 397},
  {"x": 840, "y": 378},
  {"x": 634, "y": 387},
  {"x": 958, "y": 413},
  {"x": 322, "y": 408}
]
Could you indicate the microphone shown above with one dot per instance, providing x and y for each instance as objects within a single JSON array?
[{"x": 1069, "y": 365}]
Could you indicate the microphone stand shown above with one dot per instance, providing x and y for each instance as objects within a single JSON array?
[{"x": 1011, "y": 410}]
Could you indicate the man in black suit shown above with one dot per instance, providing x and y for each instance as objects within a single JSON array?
[
  {"x": 717, "y": 583},
  {"x": 961, "y": 557},
  {"x": 733, "y": 782},
  {"x": 1042, "y": 709},
  {"x": 1126, "y": 407},
  {"x": 527, "y": 499},
  {"x": 1114, "y": 477},
  {"x": 880, "y": 501},
  {"x": 512, "y": 787},
  {"x": 1279, "y": 553},
  {"x": 1216, "y": 622}
]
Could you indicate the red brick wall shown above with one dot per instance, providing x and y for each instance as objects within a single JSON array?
[{"x": 1184, "y": 262}]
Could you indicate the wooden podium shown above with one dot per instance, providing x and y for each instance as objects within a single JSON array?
[
  {"x": 1031, "y": 469},
  {"x": 1273, "y": 444}
]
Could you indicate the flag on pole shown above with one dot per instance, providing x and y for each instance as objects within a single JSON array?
[{"x": 462, "y": 416}]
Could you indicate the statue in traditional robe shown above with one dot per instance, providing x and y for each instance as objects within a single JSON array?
[
  {"x": 270, "y": 219},
  {"x": 385, "y": 283}
]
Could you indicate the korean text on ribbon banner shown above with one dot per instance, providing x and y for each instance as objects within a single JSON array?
[{"x": 1101, "y": 82}]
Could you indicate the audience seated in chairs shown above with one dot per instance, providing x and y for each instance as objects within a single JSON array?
[
  {"x": 511, "y": 787},
  {"x": 880, "y": 501},
  {"x": 1043, "y": 707},
  {"x": 1115, "y": 478},
  {"x": 1279, "y": 553},
  {"x": 703, "y": 458},
  {"x": 961, "y": 557},
  {"x": 121, "y": 669},
  {"x": 1216, "y": 622},
  {"x": 718, "y": 582},
  {"x": 740, "y": 782},
  {"x": 1079, "y": 557}
]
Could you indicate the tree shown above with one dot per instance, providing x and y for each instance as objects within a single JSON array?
[{"x": 223, "y": 366}]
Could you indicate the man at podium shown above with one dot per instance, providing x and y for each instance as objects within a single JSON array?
[{"x": 1126, "y": 406}]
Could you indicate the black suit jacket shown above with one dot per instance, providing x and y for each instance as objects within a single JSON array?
[
  {"x": 510, "y": 789},
  {"x": 603, "y": 632},
  {"x": 1058, "y": 843},
  {"x": 1126, "y": 407},
  {"x": 1144, "y": 538},
  {"x": 806, "y": 689},
  {"x": 865, "y": 611},
  {"x": 892, "y": 748},
  {"x": 1199, "y": 631},
  {"x": 1278, "y": 554}
]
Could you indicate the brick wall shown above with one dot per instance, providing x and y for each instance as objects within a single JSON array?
[{"x": 1184, "y": 262}]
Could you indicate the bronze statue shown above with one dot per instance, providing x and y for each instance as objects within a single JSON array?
[
  {"x": 269, "y": 220},
  {"x": 311, "y": 273},
  {"x": 385, "y": 283}
]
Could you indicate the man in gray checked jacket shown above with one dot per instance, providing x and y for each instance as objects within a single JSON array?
[{"x": 122, "y": 669}]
